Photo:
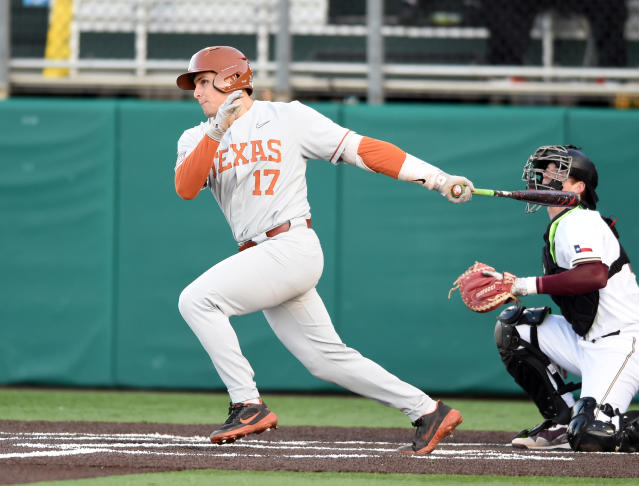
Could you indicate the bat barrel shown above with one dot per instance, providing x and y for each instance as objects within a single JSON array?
[{"x": 535, "y": 196}]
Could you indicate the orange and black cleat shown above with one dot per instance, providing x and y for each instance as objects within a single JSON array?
[
  {"x": 244, "y": 419},
  {"x": 431, "y": 428}
]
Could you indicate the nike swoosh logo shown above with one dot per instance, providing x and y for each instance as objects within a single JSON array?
[
  {"x": 429, "y": 433},
  {"x": 248, "y": 420},
  {"x": 422, "y": 181},
  {"x": 260, "y": 125}
]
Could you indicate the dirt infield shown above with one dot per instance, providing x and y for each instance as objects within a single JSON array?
[{"x": 38, "y": 451}]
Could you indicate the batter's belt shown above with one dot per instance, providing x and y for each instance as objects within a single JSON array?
[{"x": 283, "y": 228}]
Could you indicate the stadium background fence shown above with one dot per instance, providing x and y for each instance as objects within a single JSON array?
[{"x": 96, "y": 246}]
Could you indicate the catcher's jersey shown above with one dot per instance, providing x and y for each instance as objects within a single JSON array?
[
  {"x": 583, "y": 236},
  {"x": 259, "y": 170}
]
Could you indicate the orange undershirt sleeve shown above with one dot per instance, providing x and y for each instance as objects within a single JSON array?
[
  {"x": 191, "y": 175},
  {"x": 380, "y": 156}
]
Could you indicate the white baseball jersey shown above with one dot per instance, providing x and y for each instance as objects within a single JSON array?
[
  {"x": 259, "y": 173},
  {"x": 606, "y": 360},
  {"x": 258, "y": 178},
  {"x": 583, "y": 236}
]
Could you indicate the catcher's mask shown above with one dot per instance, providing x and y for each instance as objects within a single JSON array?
[
  {"x": 569, "y": 161},
  {"x": 226, "y": 62}
]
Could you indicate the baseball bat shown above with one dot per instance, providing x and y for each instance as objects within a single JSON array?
[{"x": 535, "y": 196}]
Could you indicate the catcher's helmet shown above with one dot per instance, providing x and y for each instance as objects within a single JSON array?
[
  {"x": 570, "y": 161},
  {"x": 225, "y": 62}
]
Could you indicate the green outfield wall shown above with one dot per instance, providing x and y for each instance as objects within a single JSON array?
[{"x": 96, "y": 246}]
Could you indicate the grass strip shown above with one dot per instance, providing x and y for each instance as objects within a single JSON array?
[
  {"x": 285, "y": 478},
  {"x": 211, "y": 408}
]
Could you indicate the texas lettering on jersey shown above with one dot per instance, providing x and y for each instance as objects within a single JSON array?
[
  {"x": 245, "y": 153},
  {"x": 257, "y": 175}
]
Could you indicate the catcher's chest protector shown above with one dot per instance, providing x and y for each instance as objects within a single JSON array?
[{"x": 579, "y": 310}]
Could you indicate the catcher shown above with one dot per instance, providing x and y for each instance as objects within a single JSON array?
[{"x": 596, "y": 337}]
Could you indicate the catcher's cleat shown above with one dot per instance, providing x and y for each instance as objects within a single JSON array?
[
  {"x": 244, "y": 419},
  {"x": 431, "y": 428},
  {"x": 547, "y": 436}
]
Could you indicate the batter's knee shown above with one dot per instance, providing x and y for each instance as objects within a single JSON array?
[
  {"x": 317, "y": 370},
  {"x": 325, "y": 363},
  {"x": 185, "y": 301},
  {"x": 197, "y": 299},
  {"x": 190, "y": 299}
]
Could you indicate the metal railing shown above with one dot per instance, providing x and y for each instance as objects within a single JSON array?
[{"x": 280, "y": 20}]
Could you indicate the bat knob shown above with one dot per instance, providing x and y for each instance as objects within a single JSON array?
[{"x": 456, "y": 191}]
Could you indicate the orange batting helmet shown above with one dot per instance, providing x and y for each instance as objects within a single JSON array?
[{"x": 225, "y": 62}]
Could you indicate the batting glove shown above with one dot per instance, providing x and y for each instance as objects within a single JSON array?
[
  {"x": 444, "y": 183},
  {"x": 225, "y": 116}
]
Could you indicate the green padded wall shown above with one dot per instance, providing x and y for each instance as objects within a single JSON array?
[
  {"x": 56, "y": 243},
  {"x": 403, "y": 246},
  {"x": 96, "y": 246},
  {"x": 163, "y": 242}
]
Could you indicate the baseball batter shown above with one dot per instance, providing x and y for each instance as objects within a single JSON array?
[
  {"x": 596, "y": 336},
  {"x": 252, "y": 156}
]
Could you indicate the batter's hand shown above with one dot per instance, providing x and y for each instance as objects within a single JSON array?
[
  {"x": 225, "y": 116},
  {"x": 444, "y": 183}
]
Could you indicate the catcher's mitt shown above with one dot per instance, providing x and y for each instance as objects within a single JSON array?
[{"x": 482, "y": 292}]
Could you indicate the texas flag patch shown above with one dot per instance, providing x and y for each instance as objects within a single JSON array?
[{"x": 579, "y": 249}]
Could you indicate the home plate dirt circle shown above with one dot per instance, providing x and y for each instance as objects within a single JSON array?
[{"x": 38, "y": 451}]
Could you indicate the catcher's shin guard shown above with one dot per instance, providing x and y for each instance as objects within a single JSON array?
[
  {"x": 586, "y": 434},
  {"x": 531, "y": 369}
]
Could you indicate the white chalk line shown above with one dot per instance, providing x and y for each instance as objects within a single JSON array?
[{"x": 71, "y": 443}]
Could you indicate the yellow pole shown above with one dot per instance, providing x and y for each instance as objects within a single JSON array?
[{"x": 58, "y": 37}]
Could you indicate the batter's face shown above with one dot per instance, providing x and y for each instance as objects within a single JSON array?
[{"x": 209, "y": 97}]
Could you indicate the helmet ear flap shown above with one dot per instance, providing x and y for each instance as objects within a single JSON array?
[{"x": 222, "y": 82}]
